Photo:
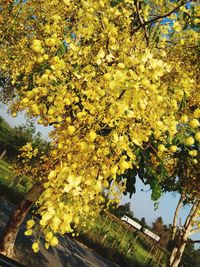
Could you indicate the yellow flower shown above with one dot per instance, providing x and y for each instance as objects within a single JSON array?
[
  {"x": 54, "y": 241},
  {"x": 161, "y": 148},
  {"x": 35, "y": 247},
  {"x": 189, "y": 141},
  {"x": 194, "y": 123},
  {"x": 173, "y": 148},
  {"x": 197, "y": 136},
  {"x": 28, "y": 232},
  {"x": 30, "y": 224}
]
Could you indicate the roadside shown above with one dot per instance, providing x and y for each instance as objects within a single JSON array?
[
  {"x": 69, "y": 253},
  {"x": 108, "y": 236}
]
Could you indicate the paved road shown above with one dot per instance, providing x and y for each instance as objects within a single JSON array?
[{"x": 68, "y": 253}]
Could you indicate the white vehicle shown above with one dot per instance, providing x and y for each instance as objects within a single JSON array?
[
  {"x": 131, "y": 222},
  {"x": 150, "y": 234}
]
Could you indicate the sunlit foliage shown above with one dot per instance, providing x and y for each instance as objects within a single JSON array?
[{"x": 107, "y": 75}]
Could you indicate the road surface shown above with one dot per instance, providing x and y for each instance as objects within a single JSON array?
[{"x": 68, "y": 253}]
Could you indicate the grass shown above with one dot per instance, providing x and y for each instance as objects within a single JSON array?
[
  {"x": 117, "y": 241},
  {"x": 12, "y": 192},
  {"x": 5, "y": 172},
  {"x": 4, "y": 164}
]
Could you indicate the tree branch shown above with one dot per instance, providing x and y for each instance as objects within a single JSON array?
[
  {"x": 192, "y": 214},
  {"x": 159, "y": 17},
  {"x": 194, "y": 231},
  {"x": 193, "y": 241},
  {"x": 174, "y": 227},
  {"x": 142, "y": 21}
]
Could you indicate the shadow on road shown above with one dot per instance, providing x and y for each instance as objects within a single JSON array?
[{"x": 68, "y": 253}]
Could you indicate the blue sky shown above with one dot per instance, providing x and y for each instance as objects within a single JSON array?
[
  {"x": 20, "y": 119},
  {"x": 143, "y": 206},
  {"x": 141, "y": 203}
]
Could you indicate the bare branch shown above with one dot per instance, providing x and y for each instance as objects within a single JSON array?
[
  {"x": 192, "y": 214},
  {"x": 193, "y": 241},
  {"x": 159, "y": 17},
  {"x": 142, "y": 21},
  {"x": 194, "y": 231},
  {"x": 180, "y": 203}
]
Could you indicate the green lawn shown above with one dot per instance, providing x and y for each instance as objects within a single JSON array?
[
  {"x": 120, "y": 243},
  {"x": 5, "y": 172},
  {"x": 9, "y": 190}
]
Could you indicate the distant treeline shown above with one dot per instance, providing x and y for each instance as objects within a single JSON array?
[{"x": 13, "y": 138}]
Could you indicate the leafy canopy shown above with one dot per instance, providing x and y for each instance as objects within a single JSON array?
[{"x": 107, "y": 76}]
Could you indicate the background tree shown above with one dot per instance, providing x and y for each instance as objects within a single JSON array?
[
  {"x": 13, "y": 138},
  {"x": 159, "y": 228},
  {"x": 143, "y": 222},
  {"x": 191, "y": 256},
  {"x": 122, "y": 210}
]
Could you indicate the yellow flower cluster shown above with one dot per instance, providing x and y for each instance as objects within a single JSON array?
[{"x": 78, "y": 66}]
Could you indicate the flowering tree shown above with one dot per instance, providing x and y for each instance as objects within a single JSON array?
[
  {"x": 176, "y": 168},
  {"x": 107, "y": 75}
]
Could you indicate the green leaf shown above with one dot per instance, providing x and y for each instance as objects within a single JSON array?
[
  {"x": 61, "y": 50},
  {"x": 115, "y": 2}
]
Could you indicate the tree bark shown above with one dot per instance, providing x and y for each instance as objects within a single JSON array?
[
  {"x": 179, "y": 205},
  {"x": 172, "y": 256},
  {"x": 2, "y": 154},
  {"x": 8, "y": 237},
  {"x": 174, "y": 228},
  {"x": 177, "y": 252}
]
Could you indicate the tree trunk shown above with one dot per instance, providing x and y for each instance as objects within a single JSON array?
[
  {"x": 2, "y": 154},
  {"x": 174, "y": 229},
  {"x": 8, "y": 237},
  {"x": 179, "y": 254},
  {"x": 172, "y": 256},
  {"x": 179, "y": 205}
]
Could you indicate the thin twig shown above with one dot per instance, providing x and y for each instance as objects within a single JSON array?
[
  {"x": 193, "y": 241},
  {"x": 159, "y": 17},
  {"x": 142, "y": 21}
]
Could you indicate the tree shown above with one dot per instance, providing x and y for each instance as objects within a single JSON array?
[
  {"x": 143, "y": 222},
  {"x": 34, "y": 164},
  {"x": 13, "y": 138},
  {"x": 181, "y": 236},
  {"x": 158, "y": 225},
  {"x": 184, "y": 169},
  {"x": 8, "y": 237},
  {"x": 191, "y": 256},
  {"x": 179, "y": 172},
  {"x": 177, "y": 169},
  {"x": 122, "y": 210},
  {"x": 104, "y": 74},
  {"x": 161, "y": 230}
]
